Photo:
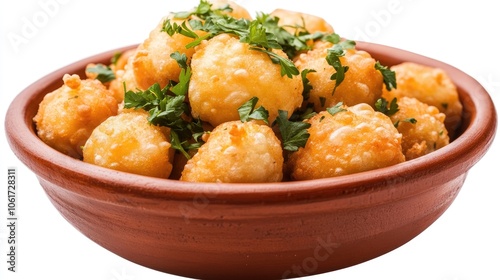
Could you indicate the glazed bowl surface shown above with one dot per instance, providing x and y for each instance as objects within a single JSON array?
[{"x": 255, "y": 231}]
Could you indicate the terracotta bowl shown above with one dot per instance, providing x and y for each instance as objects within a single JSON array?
[{"x": 255, "y": 231}]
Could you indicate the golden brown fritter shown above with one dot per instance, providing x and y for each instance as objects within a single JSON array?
[
  {"x": 237, "y": 10},
  {"x": 127, "y": 142},
  {"x": 152, "y": 62},
  {"x": 67, "y": 116},
  {"x": 227, "y": 73},
  {"x": 431, "y": 86},
  {"x": 125, "y": 79},
  {"x": 427, "y": 134},
  {"x": 351, "y": 141},
  {"x": 237, "y": 152},
  {"x": 290, "y": 19},
  {"x": 362, "y": 83}
]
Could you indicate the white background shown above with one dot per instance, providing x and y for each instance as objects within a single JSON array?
[{"x": 463, "y": 244}]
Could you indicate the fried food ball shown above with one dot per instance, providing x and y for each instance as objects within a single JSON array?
[
  {"x": 237, "y": 152},
  {"x": 129, "y": 143},
  {"x": 125, "y": 78},
  {"x": 152, "y": 62},
  {"x": 362, "y": 82},
  {"x": 427, "y": 134},
  {"x": 67, "y": 116},
  {"x": 347, "y": 142},
  {"x": 289, "y": 19},
  {"x": 431, "y": 86},
  {"x": 123, "y": 59},
  {"x": 227, "y": 73},
  {"x": 237, "y": 12}
]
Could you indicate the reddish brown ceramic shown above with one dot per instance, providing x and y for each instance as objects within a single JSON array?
[{"x": 255, "y": 231}]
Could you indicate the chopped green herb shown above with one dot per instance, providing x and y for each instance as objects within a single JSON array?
[
  {"x": 294, "y": 134},
  {"x": 248, "y": 112},
  {"x": 381, "y": 105},
  {"x": 104, "y": 73},
  {"x": 336, "y": 109},
  {"x": 333, "y": 58},
  {"x": 115, "y": 58},
  {"x": 305, "y": 82},
  {"x": 388, "y": 75},
  {"x": 168, "y": 108},
  {"x": 408, "y": 120}
]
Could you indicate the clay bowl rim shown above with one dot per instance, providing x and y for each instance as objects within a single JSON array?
[{"x": 461, "y": 154}]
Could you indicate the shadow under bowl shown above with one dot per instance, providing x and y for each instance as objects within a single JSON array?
[{"x": 254, "y": 231}]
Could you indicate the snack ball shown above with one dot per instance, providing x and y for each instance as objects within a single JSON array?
[
  {"x": 312, "y": 24},
  {"x": 129, "y": 143},
  {"x": 67, "y": 116},
  {"x": 357, "y": 139},
  {"x": 431, "y": 86},
  {"x": 227, "y": 73},
  {"x": 362, "y": 82},
  {"x": 124, "y": 79},
  {"x": 237, "y": 152},
  {"x": 237, "y": 12},
  {"x": 152, "y": 62},
  {"x": 426, "y": 133}
]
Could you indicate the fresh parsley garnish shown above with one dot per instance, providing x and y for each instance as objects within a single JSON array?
[
  {"x": 181, "y": 88},
  {"x": 248, "y": 112},
  {"x": 115, "y": 57},
  {"x": 104, "y": 73},
  {"x": 262, "y": 34},
  {"x": 388, "y": 75},
  {"x": 336, "y": 109},
  {"x": 389, "y": 109},
  {"x": 408, "y": 120},
  {"x": 306, "y": 83},
  {"x": 294, "y": 134},
  {"x": 167, "y": 107},
  {"x": 333, "y": 58}
]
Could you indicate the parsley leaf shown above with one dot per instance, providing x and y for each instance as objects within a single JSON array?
[
  {"x": 333, "y": 58},
  {"x": 408, "y": 120},
  {"x": 181, "y": 88},
  {"x": 294, "y": 134},
  {"x": 104, "y": 73},
  {"x": 383, "y": 106},
  {"x": 287, "y": 67},
  {"x": 389, "y": 76},
  {"x": 115, "y": 58},
  {"x": 306, "y": 83},
  {"x": 336, "y": 109},
  {"x": 169, "y": 109},
  {"x": 248, "y": 112},
  {"x": 257, "y": 33}
]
